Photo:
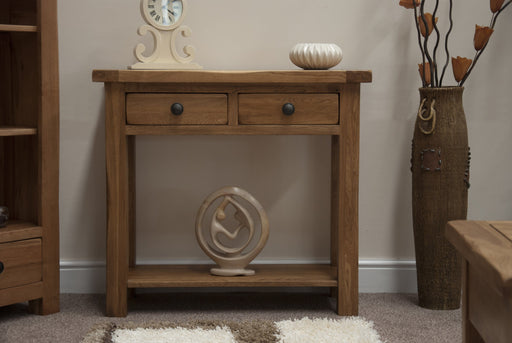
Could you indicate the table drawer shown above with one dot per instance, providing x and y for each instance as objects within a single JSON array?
[
  {"x": 20, "y": 263},
  {"x": 157, "y": 109},
  {"x": 308, "y": 109}
]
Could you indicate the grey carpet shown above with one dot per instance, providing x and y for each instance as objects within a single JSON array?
[{"x": 396, "y": 316}]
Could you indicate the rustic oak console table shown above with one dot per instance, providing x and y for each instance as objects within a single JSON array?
[{"x": 232, "y": 103}]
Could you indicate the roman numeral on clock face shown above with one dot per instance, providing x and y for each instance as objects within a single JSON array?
[{"x": 153, "y": 13}]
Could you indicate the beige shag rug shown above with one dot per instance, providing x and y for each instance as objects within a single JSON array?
[{"x": 343, "y": 330}]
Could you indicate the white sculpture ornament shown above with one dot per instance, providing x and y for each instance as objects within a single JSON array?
[
  {"x": 316, "y": 56},
  {"x": 164, "y": 18},
  {"x": 231, "y": 260}
]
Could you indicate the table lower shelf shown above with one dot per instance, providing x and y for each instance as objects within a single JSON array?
[{"x": 303, "y": 275}]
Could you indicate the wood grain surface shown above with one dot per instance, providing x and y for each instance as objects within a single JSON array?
[
  {"x": 487, "y": 278},
  {"x": 21, "y": 263},
  {"x": 266, "y": 276},
  {"x": 312, "y": 109},
  {"x": 29, "y": 130},
  {"x": 155, "y": 109},
  {"x": 326, "y": 103},
  {"x": 236, "y": 77}
]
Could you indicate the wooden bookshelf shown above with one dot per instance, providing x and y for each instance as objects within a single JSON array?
[{"x": 29, "y": 150}]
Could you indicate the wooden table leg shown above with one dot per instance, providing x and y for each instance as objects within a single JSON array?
[
  {"x": 344, "y": 200},
  {"x": 117, "y": 202},
  {"x": 132, "y": 253},
  {"x": 469, "y": 332}
]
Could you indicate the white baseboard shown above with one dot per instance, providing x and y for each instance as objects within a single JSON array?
[
  {"x": 375, "y": 276},
  {"x": 387, "y": 276}
]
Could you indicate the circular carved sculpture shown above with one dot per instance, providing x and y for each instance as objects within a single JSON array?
[{"x": 232, "y": 248}]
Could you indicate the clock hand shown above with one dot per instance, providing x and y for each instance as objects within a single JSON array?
[{"x": 171, "y": 15}]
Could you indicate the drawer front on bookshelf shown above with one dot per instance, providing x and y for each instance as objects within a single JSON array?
[
  {"x": 20, "y": 263},
  {"x": 176, "y": 109},
  {"x": 291, "y": 109}
]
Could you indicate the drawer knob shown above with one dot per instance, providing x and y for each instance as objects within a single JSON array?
[
  {"x": 1, "y": 267},
  {"x": 288, "y": 109},
  {"x": 177, "y": 108}
]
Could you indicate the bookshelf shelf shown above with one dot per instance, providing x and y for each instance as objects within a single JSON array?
[{"x": 17, "y": 28}]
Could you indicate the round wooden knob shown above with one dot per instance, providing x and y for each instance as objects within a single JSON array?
[
  {"x": 177, "y": 108},
  {"x": 288, "y": 109}
]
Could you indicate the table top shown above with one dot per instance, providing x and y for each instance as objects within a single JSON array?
[
  {"x": 233, "y": 76},
  {"x": 487, "y": 246},
  {"x": 505, "y": 228}
]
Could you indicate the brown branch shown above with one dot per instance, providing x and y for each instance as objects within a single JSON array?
[
  {"x": 479, "y": 53},
  {"x": 425, "y": 44},
  {"x": 501, "y": 10},
  {"x": 437, "y": 42},
  {"x": 419, "y": 42},
  {"x": 446, "y": 44}
]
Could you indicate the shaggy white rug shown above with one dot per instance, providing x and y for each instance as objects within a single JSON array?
[{"x": 343, "y": 330}]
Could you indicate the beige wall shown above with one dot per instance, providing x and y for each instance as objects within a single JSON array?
[{"x": 289, "y": 175}]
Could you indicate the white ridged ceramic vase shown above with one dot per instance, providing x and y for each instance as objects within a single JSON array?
[{"x": 316, "y": 55}]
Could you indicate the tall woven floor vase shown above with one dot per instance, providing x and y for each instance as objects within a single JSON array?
[{"x": 440, "y": 182}]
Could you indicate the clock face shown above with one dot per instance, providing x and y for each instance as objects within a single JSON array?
[{"x": 163, "y": 14}]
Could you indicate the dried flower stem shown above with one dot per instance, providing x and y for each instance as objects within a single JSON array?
[
  {"x": 436, "y": 79},
  {"x": 446, "y": 44},
  {"x": 425, "y": 44},
  {"x": 419, "y": 42},
  {"x": 493, "y": 21},
  {"x": 479, "y": 53}
]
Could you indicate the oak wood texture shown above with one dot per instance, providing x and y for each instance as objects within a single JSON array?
[
  {"x": 21, "y": 293},
  {"x": 233, "y": 88},
  {"x": 487, "y": 278},
  {"x": 234, "y": 77},
  {"x": 266, "y": 276},
  {"x": 118, "y": 201},
  {"x": 18, "y": 230},
  {"x": 345, "y": 200},
  {"x": 327, "y": 104},
  {"x": 48, "y": 121},
  {"x": 155, "y": 109},
  {"x": 233, "y": 130},
  {"x": 9, "y": 131},
  {"x": 268, "y": 109},
  {"x": 132, "y": 243},
  {"x": 18, "y": 28},
  {"x": 22, "y": 263},
  {"x": 15, "y": 12},
  {"x": 29, "y": 142}
]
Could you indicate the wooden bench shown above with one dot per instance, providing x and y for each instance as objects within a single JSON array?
[{"x": 486, "y": 248}]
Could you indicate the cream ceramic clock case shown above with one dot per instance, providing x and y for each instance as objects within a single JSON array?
[
  {"x": 163, "y": 14},
  {"x": 164, "y": 18}
]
